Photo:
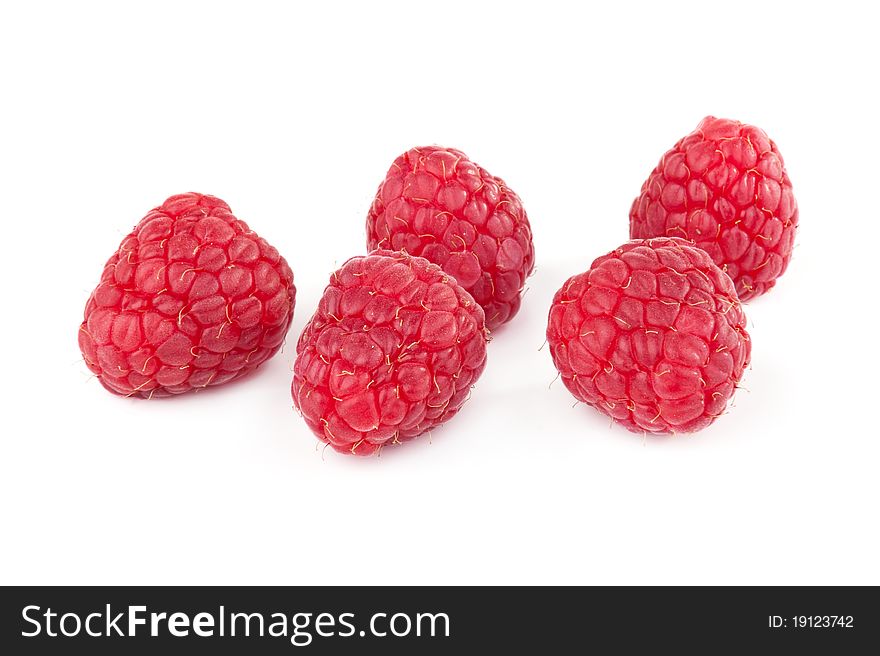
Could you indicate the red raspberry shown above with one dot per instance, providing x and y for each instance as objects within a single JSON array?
[
  {"x": 391, "y": 352},
  {"x": 653, "y": 335},
  {"x": 437, "y": 204},
  {"x": 192, "y": 297},
  {"x": 724, "y": 188}
]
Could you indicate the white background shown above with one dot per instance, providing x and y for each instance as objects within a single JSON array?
[{"x": 293, "y": 114}]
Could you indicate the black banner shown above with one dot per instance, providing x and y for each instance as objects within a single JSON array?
[{"x": 437, "y": 620}]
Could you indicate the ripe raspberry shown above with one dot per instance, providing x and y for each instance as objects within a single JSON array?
[
  {"x": 724, "y": 188},
  {"x": 192, "y": 297},
  {"x": 391, "y": 352},
  {"x": 653, "y": 335},
  {"x": 437, "y": 204}
]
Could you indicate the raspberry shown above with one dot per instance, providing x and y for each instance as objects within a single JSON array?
[
  {"x": 390, "y": 353},
  {"x": 437, "y": 204},
  {"x": 192, "y": 298},
  {"x": 724, "y": 188},
  {"x": 652, "y": 335}
]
